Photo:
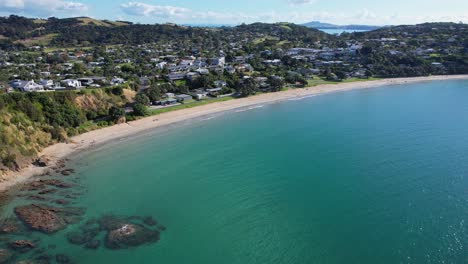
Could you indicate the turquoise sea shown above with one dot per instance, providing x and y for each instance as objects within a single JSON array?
[{"x": 365, "y": 176}]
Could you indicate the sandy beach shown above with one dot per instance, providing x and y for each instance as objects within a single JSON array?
[{"x": 85, "y": 141}]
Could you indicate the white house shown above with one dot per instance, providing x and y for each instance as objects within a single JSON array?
[
  {"x": 71, "y": 83},
  {"x": 46, "y": 83},
  {"x": 27, "y": 86},
  {"x": 117, "y": 81}
]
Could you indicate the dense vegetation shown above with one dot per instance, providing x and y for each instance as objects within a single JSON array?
[{"x": 31, "y": 121}]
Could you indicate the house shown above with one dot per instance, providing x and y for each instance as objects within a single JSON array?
[
  {"x": 203, "y": 71},
  {"x": 218, "y": 61},
  {"x": 117, "y": 81},
  {"x": 46, "y": 83},
  {"x": 170, "y": 95},
  {"x": 27, "y": 86},
  {"x": 219, "y": 83},
  {"x": 72, "y": 83},
  {"x": 86, "y": 81},
  {"x": 184, "y": 97},
  {"x": 230, "y": 69},
  {"x": 166, "y": 102},
  {"x": 161, "y": 65},
  {"x": 199, "y": 94},
  {"x": 193, "y": 76},
  {"x": 214, "y": 92},
  {"x": 174, "y": 76}
]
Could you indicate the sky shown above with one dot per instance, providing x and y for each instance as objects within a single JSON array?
[{"x": 370, "y": 12}]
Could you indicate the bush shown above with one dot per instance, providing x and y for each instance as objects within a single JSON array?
[
  {"x": 140, "y": 110},
  {"x": 142, "y": 99}
]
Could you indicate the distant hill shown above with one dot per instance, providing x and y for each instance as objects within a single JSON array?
[
  {"x": 19, "y": 32},
  {"x": 320, "y": 25}
]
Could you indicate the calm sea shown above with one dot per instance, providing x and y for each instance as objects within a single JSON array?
[{"x": 365, "y": 176}]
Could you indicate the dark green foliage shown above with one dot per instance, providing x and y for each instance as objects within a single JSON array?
[
  {"x": 140, "y": 110},
  {"x": 142, "y": 99},
  {"x": 115, "y": 113},
  {"x": 153, "y": 93},
  {"x": 247, "y": 87},
  {"x": 275, "y": 83}
]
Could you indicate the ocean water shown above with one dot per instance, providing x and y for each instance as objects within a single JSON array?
[
  {"x": 337, "y": 31},
  {"x": 366, "y": 176}
]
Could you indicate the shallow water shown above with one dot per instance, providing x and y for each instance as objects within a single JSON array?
[{"x": 365, "y": 176}]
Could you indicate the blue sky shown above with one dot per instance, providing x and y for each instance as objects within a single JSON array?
[{"x": 378, "y": 12}]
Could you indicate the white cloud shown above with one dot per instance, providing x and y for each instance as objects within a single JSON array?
[
  {"x": 181, "y": 14},
  {"x": 41, "y": 7},
  {"x": 142, "y": 9},
  {"x": 301, "y": 2},
  {"x": 166, "y": 13}
]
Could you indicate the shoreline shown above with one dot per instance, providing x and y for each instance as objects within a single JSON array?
[{"x": 84, "y": 141}]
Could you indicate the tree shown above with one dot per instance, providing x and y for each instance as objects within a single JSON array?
[
  {"x": 247, "y": 87},
  {"x": 140, "y": 110},
  {"x": 142, "y": 99},
  {"x": 116, "y": 113},
  {"x": 275, "y": 82},
  {"x": 153, "y": 93},
  {"x": 79, "y": 68}
]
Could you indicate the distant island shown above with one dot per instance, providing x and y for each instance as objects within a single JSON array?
[{"x": 322, "y": 26}]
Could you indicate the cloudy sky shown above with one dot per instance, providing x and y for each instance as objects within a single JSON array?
[{"x": 378, "y": 12}]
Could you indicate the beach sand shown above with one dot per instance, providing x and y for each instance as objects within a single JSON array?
[{"x": 85, "y": 141}]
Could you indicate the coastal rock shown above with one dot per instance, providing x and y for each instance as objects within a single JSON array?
[
  {"x": 130, "y": 235},
  {"x": 67, "y": 172},
  {"x": 47, "y": 219},
  {"x": 5, "y": 255},
  {"x": 42, "y": 161},
  {"x": 41, "y": 185}
]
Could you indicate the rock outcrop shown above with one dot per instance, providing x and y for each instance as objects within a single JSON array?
[{"x": 47, "y": 219}]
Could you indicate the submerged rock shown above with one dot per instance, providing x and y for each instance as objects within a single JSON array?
[
  {"x": 48, "y": 191},
  {"x": 5, "y": 255},
  {"x": 62, "y": 202},
  {"x": 41, "y": 185},
  {"x": 93, "y": 244},
  {"x": 36, "y": 198},
  {"x": 67, "y": 172},
  {"x": 80, "y": 238},
  {"x": 10, "y": 226},
  {"x": 130, "y": 235},
  {"x": 149, "y": 221},
  {"x": 62, "y": 258},
  {"x": 47, "y": 219},
  {"x": 22, "y": 245}
]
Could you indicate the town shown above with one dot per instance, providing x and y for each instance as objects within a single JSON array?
[{"x": 247, "y": 60}]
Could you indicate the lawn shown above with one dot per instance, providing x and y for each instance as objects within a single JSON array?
[{"x": 190, "y": 105}]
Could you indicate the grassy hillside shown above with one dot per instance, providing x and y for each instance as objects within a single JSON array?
[{"x": 30, "y": 122}]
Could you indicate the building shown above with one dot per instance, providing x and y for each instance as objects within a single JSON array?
[
  {"x": 174, "y": 76},
  {"x": 214, "y": 92},
  {"x": 72, "y": 83},
  {"x": 27, "y": 86},
  {"x": 184, "y": 97}
]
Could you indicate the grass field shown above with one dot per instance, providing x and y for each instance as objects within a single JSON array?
[{"x": 190, "y": 105}]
